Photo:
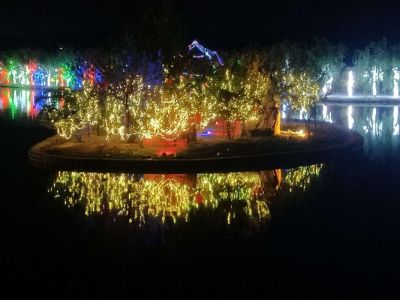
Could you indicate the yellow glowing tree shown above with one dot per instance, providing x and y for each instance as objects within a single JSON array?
[
  {"x": 124, "y": 108},
  {"x": 200, "y": 103},
  {"x": 239, "y": 89},
  {"x": 81, "y": 111}
]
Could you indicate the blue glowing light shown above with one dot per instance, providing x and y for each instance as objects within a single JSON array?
[{"x": 205, "y": 52}]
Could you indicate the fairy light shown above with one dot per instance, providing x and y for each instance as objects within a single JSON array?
[
  {"x": 83, "y": 113},
  {"x": 36, "y": 74},
  {"x": 209, "y": 54},
  {"x": 138, "y": 199},
  {"x": 374, "y": 80},
  {"x": 396, "y": 78},
  {"x": 350, "y": 84},
  {"x": 301, "y": 177}
]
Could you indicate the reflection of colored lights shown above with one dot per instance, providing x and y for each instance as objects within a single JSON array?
[{"x": 17, "y": 101}]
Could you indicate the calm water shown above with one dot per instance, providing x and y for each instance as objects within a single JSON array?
[{"x": 327, "y": 229}]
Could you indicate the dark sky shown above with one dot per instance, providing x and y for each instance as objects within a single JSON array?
[{"x": 219, "y": 23}]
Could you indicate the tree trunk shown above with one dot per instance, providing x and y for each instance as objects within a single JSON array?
[
  {"x": 192, "y": 134},
  {"x": 277, "y": 125}
]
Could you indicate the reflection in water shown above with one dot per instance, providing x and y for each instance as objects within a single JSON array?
[
  {"x": 396, "y": 120},
  {"x": 350, "y": 119},
  {"x": 378, "y": 124},
  {"x": 16, "y": 102},
  {"x": 162, "y": 198},
  {"x": 300, "y": 178}
]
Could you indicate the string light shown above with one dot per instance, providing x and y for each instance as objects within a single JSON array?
[
  {"x": 34, "y": 74},
  {"x": 205, "y": 52},
  {"x": 350, "y": 84}
]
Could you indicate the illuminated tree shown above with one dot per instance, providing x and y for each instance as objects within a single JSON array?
[
  {"x": 166, "y": 114},
  {"x": 296, "y": 84},
  {"x": 124, "y": 106},
  {"x": 200, "y": 103},
  {"x": 370, "y": 65},
  {"x": 325, "y": 62},
  {"x": 239, "y": 88},
  {"x": 80, "y": 113}
]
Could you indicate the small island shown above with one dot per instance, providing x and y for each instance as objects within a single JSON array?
[
  {"x": 194, "y": 115},
  {"x": 289, "y": 149}
]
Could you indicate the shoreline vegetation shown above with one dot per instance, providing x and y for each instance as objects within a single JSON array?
[{"x": 287, "y": 149}]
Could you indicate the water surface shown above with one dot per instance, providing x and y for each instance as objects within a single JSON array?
[{"x": 328, "y": 228}]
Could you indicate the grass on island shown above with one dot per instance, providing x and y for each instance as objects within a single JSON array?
[{"x": 206, "y": 147}]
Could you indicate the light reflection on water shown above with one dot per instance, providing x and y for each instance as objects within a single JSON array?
[
  {"x": 139, "y": 199},
  {"x": 378, "y": 124},
  {"x": 15, "y": 103}
]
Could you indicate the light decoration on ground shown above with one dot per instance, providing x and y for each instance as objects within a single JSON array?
[
  {"x": 350, "y": 84},
  {"x": 163, "y": 197},
  {"x": 209, "y": 54},
  {"x": 299, "y": 133},
  {"x": 396, "y": 78},
  {"x": 35, "y": 74}
]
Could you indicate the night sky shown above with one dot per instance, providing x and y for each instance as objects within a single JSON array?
[{"x": 226, "y": 24}]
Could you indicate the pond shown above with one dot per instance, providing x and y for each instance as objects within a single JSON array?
[{"x": 326, "y": 227}]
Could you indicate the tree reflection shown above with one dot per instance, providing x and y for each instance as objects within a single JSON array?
[{"x": 149, "y": 198}]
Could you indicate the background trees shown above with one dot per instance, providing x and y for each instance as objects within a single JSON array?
[{"x": 371, "y": 67}]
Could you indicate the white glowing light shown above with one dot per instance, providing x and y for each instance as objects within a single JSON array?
[
  {"x": 396, "y": 127},
  {"x": 350, "y": 84},
  {"x": 303, "y": 113},
  {"x": 377, "y": 75},
  {"x": 374, "y": 80},
  {"x": 327, "y": 86},
  {"x": 396, "y": 78},
  {"x": 325, "y": 116},
  {"x": 350, "y": 119}
]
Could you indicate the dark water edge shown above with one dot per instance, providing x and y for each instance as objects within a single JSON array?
[{"x": 338, "y": 239}]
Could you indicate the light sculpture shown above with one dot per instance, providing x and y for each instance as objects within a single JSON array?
[{"x": 205, "y": 52}]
